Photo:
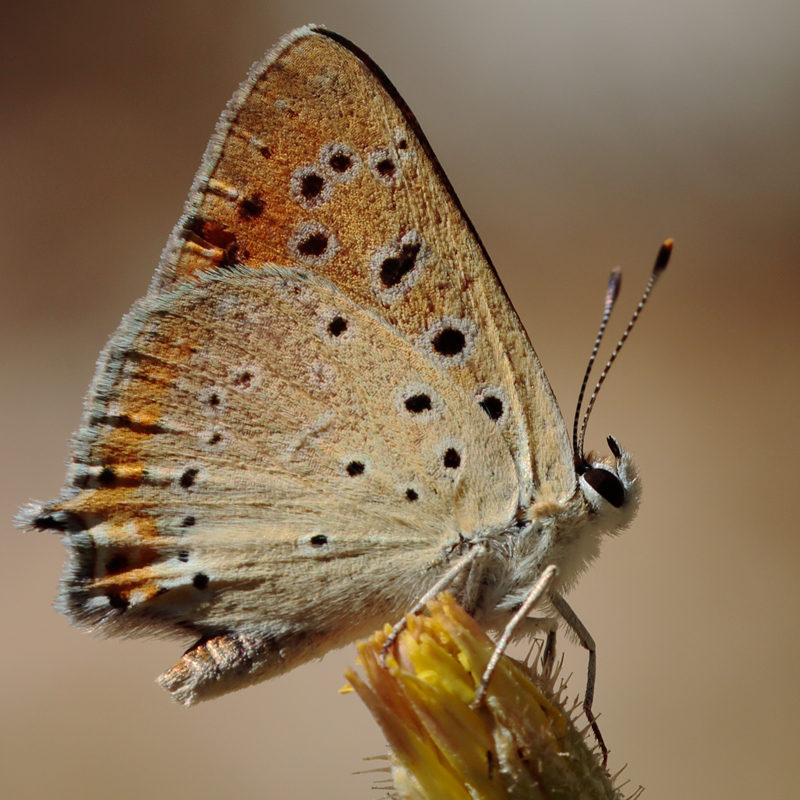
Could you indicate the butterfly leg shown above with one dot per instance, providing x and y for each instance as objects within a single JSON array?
[
  {"x": 439, "y": 586},
  {"x": 586, "y": 640},
  {"x": 549, "y": 653},
  {"x": 535, "y": 594}
]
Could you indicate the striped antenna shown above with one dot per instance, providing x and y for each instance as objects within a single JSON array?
[
  {"x": 612, "y": 292},
  {"x": 662, "y": 259}
]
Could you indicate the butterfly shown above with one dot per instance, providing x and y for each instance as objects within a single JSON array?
[{"x": 324, "y": 404}]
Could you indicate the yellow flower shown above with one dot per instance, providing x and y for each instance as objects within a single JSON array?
[{"x": 519, "y": 743}]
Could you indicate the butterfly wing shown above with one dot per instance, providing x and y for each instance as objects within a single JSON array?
[
  {"x": 324, "y": 391},
  {"x": 319, "y": 161},
  {"x": 262, "y": 457}
]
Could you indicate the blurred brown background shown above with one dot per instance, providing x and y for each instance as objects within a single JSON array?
[{"x": 578, "y": 135}]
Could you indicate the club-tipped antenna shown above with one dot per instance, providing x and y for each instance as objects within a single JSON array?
[
  {"x": 612, "y": 292},
  {"x": 662, "y": 259}
]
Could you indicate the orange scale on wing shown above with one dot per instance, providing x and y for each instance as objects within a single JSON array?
[{"x": 130, "y": 579}]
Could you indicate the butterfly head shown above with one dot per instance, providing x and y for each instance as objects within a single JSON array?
[{"x": 610, "y": 485}]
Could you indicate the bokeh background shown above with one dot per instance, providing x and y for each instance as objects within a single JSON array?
[{"x": 579, "y": 135}]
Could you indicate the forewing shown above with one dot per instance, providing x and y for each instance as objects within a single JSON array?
[{"x": 319, "y": 162}]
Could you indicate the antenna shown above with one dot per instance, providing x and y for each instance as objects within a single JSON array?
[
  {"x": 612, "y": 292},
  {"x": 662, "y": 259}
]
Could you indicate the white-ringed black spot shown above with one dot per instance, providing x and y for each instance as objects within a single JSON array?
[
  {"x": 337, "y": 326},
  {"x": 200, "y": 581},
  {"x": 312, "y": 185},
  {"x": 418, "y": 403},
  {"x": 188, "y": 522},
  {"x": 339, "y": 161},
  {"x": 187, "y": 479},
  {"x": 492, "y": 400},
  {"x": 383, "y": 166},
  {"x": 319, "y": 540},
  {"x": 334, "y": 326},
  {"x": 312, "y": 243},
  {"x": 450, "y": 341},
  {"x": 355, "y": 468},
  {"x": 493, "y": 406},
  {"x": 411, "y": 495},
  {"x": 215, "y": 438},
  {"x": 309, "y": 187},
  {"x": 451, "y": 458},
  {"x": 396, "y": 267}
]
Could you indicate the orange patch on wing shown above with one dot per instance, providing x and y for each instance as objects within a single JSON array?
[
  {"x": 129, "y": 579},
  {"x": 247, "y": 213}
]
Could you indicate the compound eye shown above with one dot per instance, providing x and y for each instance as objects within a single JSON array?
[{"x": 607, "y": 485}]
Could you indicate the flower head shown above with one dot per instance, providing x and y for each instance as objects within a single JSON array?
[{"x": 518, "y": 743}]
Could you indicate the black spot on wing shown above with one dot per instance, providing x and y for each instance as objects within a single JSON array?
[
  {"x": 449, "y": 342},
  {"x": 200, "y": 581},
  {"x": 188, "y": 477},
  {"x": 493, "y": 406},
  {"x": 451, "y": 458},
  {"x": 395, "y": 268},
  {"x": 251, "y": 207},
  {"x": 337, "y": 326}
]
